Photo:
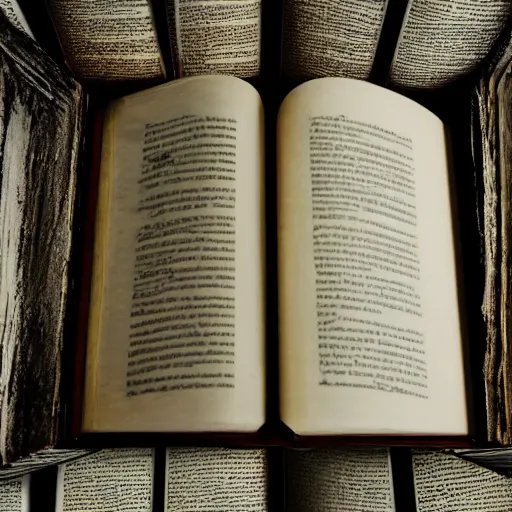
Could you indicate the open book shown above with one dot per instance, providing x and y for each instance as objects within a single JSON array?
[{"x": 370, "y": 337}]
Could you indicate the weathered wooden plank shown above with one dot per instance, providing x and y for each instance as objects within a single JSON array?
[{"x": 40, "y": 117}]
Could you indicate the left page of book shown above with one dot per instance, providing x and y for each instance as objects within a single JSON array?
[
  {"x": 13, "y": 11},
  {"x": 176, "y": 338},
  {"x": 114, "y": 479},
  {"x": 344, "y": 480},
  {"x": 331, "y": 37},
  {"x": 15, "y": 495},
  {"x": 212, "y": 479},
  {"x": 221, "y": 37},
  {"x": 108, "y": 39},
  {"x": 443, "y": 40},
  {"x": 445, "y": 482},
  {"x": 40, "y": 122}
]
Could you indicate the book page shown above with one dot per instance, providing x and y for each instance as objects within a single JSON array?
[
  {"x": 119, "y": 480},
  {"x": 15, "y": 495},
  {"x": 443, "y": 40},
  {"x": 212, "y": 479},
  {"x": 37, "y": 193},
  {"x": 331, "y": 37},
  {"x": 177, "y": 330},
  {"x": 15, "y": 14},
  {"x": 370, "y": 340},
  {"x": 221, "y": 37},
  {"x": 108, "y": 39},
  {"x": 339, "y": 480},
  {"x": 445, "y": 482}
]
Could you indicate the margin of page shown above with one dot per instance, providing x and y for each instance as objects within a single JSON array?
[
  {"x": 153, "y": 469},
  {"x": 391, "y": 482},
  {"x": 101, "y": 231},
  {"x": 399, "y": 40},
  {"x": 163, "y": 67},
  {"x": 384, "y": 12},
  {"x": 413, "y": 455},
  {"x": 59, "y": 496},
  {"x": 25, "y": 494},
  {"x": 175, "y": 4},
  {"x": 166, "y": 486}
]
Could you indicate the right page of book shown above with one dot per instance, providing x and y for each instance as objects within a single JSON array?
[
  {"x": 370, "y": 338},
  {"x": 339, "y": 480},
  {"x": 445, "y": 482},
  {"x": 443, "y": 40}
]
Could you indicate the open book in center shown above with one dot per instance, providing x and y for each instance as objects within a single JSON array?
[{"x": 370, "y": 335}]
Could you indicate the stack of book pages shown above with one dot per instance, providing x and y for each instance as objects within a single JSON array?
[{"x": 492, "y": 153}]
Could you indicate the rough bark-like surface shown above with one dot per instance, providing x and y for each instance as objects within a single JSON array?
[{"x": 40, "y": 113}]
